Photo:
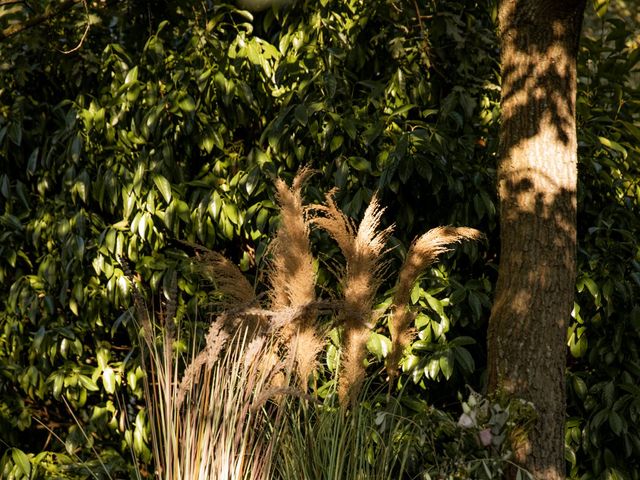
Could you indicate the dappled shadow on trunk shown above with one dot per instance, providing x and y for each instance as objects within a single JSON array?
[
  {"x": 537, "y": 178},
  {"x": 539, "y": 46}
]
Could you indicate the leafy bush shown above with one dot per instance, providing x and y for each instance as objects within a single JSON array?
[
  {"x": 169, "y": 140},
  {"x": 602, "y": 437}
]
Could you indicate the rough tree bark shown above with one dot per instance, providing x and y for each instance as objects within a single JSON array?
[{"x": 537, "y": 178}]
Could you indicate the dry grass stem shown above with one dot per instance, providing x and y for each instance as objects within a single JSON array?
[
  {"x": 216, "y": 339},
  {"x": 423, "y": 252},
  {"x": 205, "y": 427},
  {"x": 272, "y": 393}
]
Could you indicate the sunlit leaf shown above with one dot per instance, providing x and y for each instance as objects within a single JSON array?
[
  {"x": 613, "y": 146},
  {"x": 22, "y": 461},
  {"x": 109, "y": 380}
]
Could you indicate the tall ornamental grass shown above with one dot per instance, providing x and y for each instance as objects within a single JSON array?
[{"x": 244, "y": 403}]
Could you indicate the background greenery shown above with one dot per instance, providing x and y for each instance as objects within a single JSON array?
[{"x": 168, "y": 124}]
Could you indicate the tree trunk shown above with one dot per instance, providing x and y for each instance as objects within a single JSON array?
[{"x": 537, "y": 178}]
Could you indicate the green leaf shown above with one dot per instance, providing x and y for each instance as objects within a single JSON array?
[
  {"x": 379, "y": 345},
  {"x": 416, "y": 293},
  {"x": 461, "y": 341},
  {"x": 4, "y": 186},
  {"x": 402, "y": 110},
  {"x": 446, "y": 365},
  {"x": 616, "y": 423},
  {"x": 301, "y": 114},
  {"x": 592, "y": 287},
  {"x": 103, "y": 357},
  {"x": 578, "y": 345},
  {"x": 373, "y": 132},
  {"x": 613, "y": 146},
  {"x": 421, "y": 321},
  {"x": 76, "y": 148},
  {"x": 187, "y": 104},
  {"x": 436, "y": 304},
  {"x": 336, "y": 143},
  {"x": 474, "y": 303},
  {"x": 601, "y": 7},
  {"x": 22, "y": 461},
  {"x": 15, "y": 133},
  {"x": 417, "y": 374},
  {"x": 132, "y": 76},
  {"x": 433, "y": 368},
  {"x": 109, "y": 380},
  {"x": 231, "y": 212},
  {"x": 632, "y": 129},
  {"x": 73, "y": 306},
  {"x": 87, "y": 383},
  {"x": 614, "y": 474},
  {"x": 163, "y": 186},
  {"x": 608, "y": 393},
  {"x": 410, "y": 362},
  {"x": 465, "y": 359},
  {"x": 33, "y": 161},
  {"x": 360, "y": 164},
  {"x": 579, "y": 386},
  {"x": 58, "y": 383},
  {"x": 333, "y": 358}
]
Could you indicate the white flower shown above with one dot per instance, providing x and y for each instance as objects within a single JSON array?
[{"x": 466, "y": 421}]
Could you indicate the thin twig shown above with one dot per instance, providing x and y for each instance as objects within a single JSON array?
[
  {"x": 86, "y": 31},
  {"x": 418, "y": 15}
]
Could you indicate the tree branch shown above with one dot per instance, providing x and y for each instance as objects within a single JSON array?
[
  {"x": 8, "y": 3},
  {"x": 38, "y": 19}
]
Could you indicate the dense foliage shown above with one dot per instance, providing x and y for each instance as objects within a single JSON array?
[{"x": 165, "y": 128}]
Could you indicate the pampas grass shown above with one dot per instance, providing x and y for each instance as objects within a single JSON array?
[
  {"x": 423, "y": 252},
  {"x": 291, "y": 272},
  {"x": 239, "y": 399},
  {"x": 229, "y": 280},
  {"x": 293, "y": 280},
  {"x": 360, "y": 278},
  {"x": 203, "y": 426}
]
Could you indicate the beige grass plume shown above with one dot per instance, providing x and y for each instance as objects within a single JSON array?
[
  {"x": 292, "y": 276},
  {"x": 291, "y": 270},
  {"x": 360, "y": 278},
  {"x": 228, "y": 278},
  {"x": 238, "y": 294},
  {"x": 423, "y": 252}
]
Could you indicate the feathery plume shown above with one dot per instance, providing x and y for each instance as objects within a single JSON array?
[
  {"x": 423, "y": 252},
  {"x": 291, "y": 270},
  {"x": 216, "y": 339},
  {"x": 229, "y": 280},
  {"x": 292, "y": 277},
  {"x": 360, "y": 278},
  {"x": 306, "y": 345}
]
